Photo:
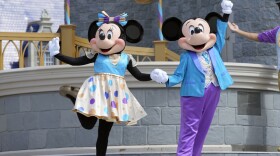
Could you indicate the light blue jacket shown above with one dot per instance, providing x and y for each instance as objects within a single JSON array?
[{"x": 191, "y": 74}]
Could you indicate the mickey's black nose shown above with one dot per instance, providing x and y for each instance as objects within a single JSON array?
[{"x": 197, "y": 30}]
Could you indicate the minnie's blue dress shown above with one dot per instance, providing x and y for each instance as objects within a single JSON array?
[{"x": 105, "y": 95}]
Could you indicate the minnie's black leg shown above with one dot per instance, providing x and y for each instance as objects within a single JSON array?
[
  {"x": 103, "y": 135},
  {"x": 86, "y": 122}
]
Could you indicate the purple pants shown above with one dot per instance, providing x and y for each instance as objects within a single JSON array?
[{"x": 196, "y": 117}]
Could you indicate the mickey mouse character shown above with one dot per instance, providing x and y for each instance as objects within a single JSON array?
[
  {"x": 105, "y": 95},
  {"x": 201, "y": 71}
]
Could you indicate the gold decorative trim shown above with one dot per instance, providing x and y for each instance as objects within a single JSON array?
[{"x": 103, "y": 74}]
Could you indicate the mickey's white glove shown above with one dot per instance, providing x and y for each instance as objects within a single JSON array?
[
  {"x": 159, "y": 76},
  {"x": 54, "y": 46},
  {"x": 227, "y": 6}
]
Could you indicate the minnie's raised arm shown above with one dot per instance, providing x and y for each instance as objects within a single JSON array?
[{"x": 54, "y": 51}]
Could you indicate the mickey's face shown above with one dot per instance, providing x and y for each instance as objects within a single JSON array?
[
  {"x": 196, "y": 36},
  {"x": 107, "y": 39}
]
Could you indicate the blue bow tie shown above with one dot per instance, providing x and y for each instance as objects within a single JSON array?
[{"x": 206, "y": 56}]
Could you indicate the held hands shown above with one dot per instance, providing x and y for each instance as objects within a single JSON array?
[
  {"x": 159, "y": 76},
  {"x": 227, "y": 6},
  {"x": 54, "y": 46}
]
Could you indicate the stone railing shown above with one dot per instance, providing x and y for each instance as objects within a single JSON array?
[{"x": 42, "y": 79}]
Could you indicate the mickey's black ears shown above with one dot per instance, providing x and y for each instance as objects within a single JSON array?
[
  {"x": 212, "y": 18},
  {"x": 134, "y": 31},
  {"x": 92, "y": 30},
  {"x": 172, "y": 29}
]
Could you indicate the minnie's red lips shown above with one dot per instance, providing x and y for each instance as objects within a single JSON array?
[
  {"x": 105, "y": 50},
  {"x": 198, "y": 47}
]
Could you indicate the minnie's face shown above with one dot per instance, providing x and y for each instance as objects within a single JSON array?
[
  {"x": 196, "y": 36},
  {"x": 107, "y": 39}
]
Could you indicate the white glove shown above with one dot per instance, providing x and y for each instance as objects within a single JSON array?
[
  {"x": 227, "y": 6},
  {"x": 159, "y": 76},
  {"x": 54, "y": 46}
]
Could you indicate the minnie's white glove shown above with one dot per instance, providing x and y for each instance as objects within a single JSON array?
[
  {"x": 227, "y": 6},
  {"x": 54, "y": 46},
  {"x": 159, "y": 76}
]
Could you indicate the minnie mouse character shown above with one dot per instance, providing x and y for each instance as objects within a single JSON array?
[
  {"x": 105, "y": 95},
  {"x": 201, "y": 71}
]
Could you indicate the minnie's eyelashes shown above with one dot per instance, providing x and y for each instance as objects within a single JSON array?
[
  {"x": 101, "y": 34},
  {"x": 109, "y": 34},
  {"x": 132, "y": 32}
]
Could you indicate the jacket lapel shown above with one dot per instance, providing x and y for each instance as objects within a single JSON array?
[{"x": 196, "y": 61}]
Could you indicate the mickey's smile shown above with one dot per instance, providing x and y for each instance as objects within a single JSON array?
[{"x": 198, "y": 47}]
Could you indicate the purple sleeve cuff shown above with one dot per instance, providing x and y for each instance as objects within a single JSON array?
[{"x": 268, "y": 36}]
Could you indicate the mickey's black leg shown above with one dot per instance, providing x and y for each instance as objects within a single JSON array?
[{"x": 103, "y": 135}]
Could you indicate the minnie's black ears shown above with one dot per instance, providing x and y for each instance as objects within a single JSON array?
[
  {"x": 134, "y": 31},
  {"x": 212, "y": 18},
  {"x": 92, "y": 30},
  {"x": 172, "y": 29}
]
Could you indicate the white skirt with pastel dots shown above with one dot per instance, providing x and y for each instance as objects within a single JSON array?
[{"x": 107, "y": 97}]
